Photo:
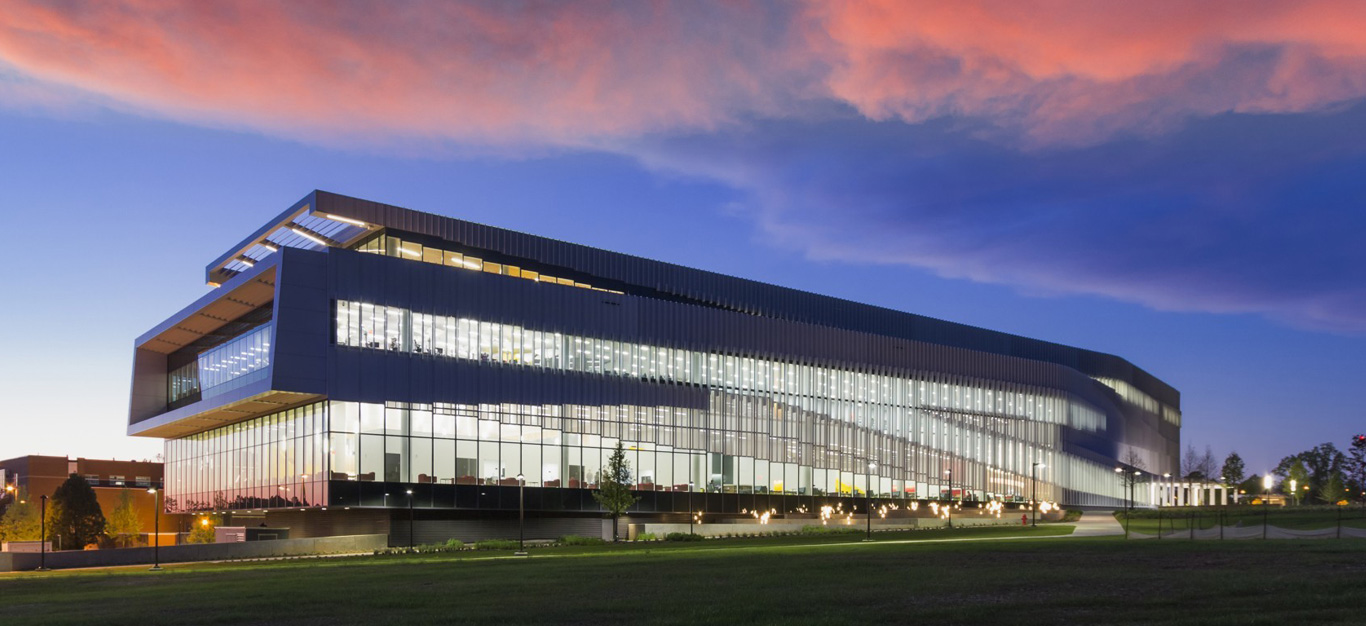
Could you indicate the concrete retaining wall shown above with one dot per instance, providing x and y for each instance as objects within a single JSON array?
[
  {"x": 470, "y": 531},
  {"x": 10, "y": 562},
  {"x": 727, "y": 527}
]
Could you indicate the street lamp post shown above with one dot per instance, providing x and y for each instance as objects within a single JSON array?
[
  {"x": 42, "y": 536},
  {"x": 1223, "y": 491},
  {"x": 949, "y": 507},
  {"x": 691, "y": 514},
  {"x": 1123, "y": 475},
  {"x": 868, "y": 500},
  {"x": 1266, "y": 501},
  {"x": 410, "y": 519},
  {"x": 1034, "y": 491},
  {"x": 1294, "y": 484},
  {"x": 156, "y": 529},
  {"x": 1133, "y": 485},
  {"x": 521, "y": 516}
]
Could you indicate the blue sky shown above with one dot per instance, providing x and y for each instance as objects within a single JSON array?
[{"x": 1201, "y": 214}]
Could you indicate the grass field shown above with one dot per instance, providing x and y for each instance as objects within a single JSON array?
[
  {"x": 1294, "y": 518},
  {"x": 827, "y": 580}
]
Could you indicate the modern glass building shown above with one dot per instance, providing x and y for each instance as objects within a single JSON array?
[{"x": 356, "y": 361}]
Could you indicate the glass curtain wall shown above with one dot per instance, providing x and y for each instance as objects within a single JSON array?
[
  {"x": 773, "y": 426},
  {"x": 394, "y": 246},
  {"x": 225, "y": 367},
  {"x": 273, "y": 461}
]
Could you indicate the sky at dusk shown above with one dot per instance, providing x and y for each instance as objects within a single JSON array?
[{"x": 1181, "y": 184}]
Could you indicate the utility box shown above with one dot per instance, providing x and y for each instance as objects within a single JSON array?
[
  {"x": 24, "y": 546},
  {"x": 235, "y": 534}
]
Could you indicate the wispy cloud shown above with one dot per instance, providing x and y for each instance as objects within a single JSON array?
[
  {"x": 1238, "y": 213},
  {"x": 573, "y": 72},
  {"x": 1189, "y": 156}
]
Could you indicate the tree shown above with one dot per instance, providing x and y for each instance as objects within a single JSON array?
[
  {"x": 123, "y": 525},
  {"x": 1197, "y": 465},
  {"x": 1333, "y": 490},
  {"x": 21, "y": 521},
  {"x": 1233, "y": 469},
  {"x": 1319, "y": 463},
  {"x": 1356, "y": 467},
  {"x": 203, "y": 529},
  {"x": 79, "y": 520},
  {"x": 1128, "y": 476},
  {"x": 1251, "y": 486},
  {"x": 1296, "y": 480},
  {"x": 614, "y": 490}
]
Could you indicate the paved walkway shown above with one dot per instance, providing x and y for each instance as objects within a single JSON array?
[{"x": 1098, "y": 524}]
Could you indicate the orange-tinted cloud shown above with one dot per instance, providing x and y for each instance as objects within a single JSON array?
[
  {"x": 558, "y": 73},
  {"x": 482, "y": 72},
  {"x": 1080, "y": 70}
]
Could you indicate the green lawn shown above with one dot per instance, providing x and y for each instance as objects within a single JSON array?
[
  {"x": 1294, "y": 518},
  {"x": 828, "y": 580}
]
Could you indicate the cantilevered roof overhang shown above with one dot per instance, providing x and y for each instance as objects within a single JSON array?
[
  {"x": 235, "y": 406},
  {"x": 300, "y": 226},
  {"x": 252, "y": 290}
]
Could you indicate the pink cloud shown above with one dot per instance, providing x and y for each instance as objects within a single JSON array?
[
  {"x": 574, "y": 73},
  {"x": 549, "y": 73},
  {"x": 1079, "y": 71}
]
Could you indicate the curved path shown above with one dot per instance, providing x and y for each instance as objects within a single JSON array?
[{"x": 1097, "y": 524}]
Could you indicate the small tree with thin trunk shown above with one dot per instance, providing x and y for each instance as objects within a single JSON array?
[
  {"x": 1129, "y": 479},
  {"x": 21, "y": 519},
  {"x": 614, "y": 490},
  {"x": 1333, "y": 491},
  {"x": 123, "y": 524}
]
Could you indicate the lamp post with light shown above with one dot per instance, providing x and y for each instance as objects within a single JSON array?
[
  {"x": 42, "y": 536},
  {"x": 949, "y": 506},
  {"x": 156, "y": 529},
  {"x": 521, "y": 516},
  {"x": 1223, "y": 487},
  {"x": 868, "y": 500},
  {"x": 1034, "y": 491},
  {"x": 410, "y": 519},
  {"x": 1266, "y": 501},
  {"x": 692, "y": 515}
]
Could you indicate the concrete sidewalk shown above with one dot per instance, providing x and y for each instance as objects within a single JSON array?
[{"x": 1098, "y": 524}]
